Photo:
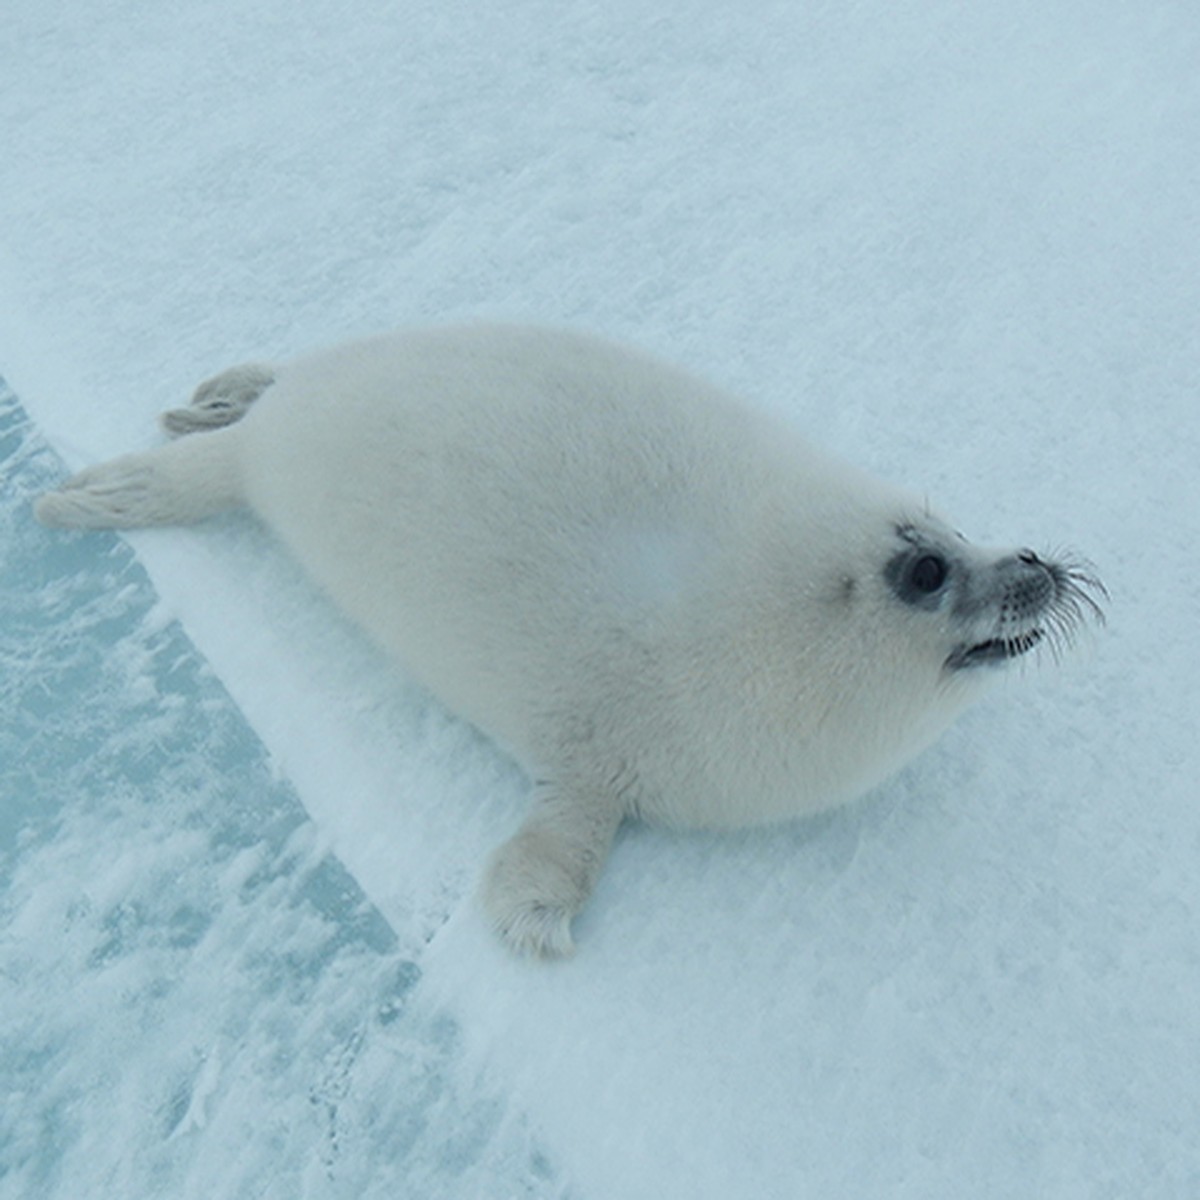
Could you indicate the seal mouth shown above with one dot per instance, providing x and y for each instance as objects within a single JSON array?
[
  {"x": 994, "y": 652},
  {"x": 1074, "y": 597}
]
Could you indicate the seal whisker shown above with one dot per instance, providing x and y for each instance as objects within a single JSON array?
[{"x": 1076, "y": 602}]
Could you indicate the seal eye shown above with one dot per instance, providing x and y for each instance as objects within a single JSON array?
[{"x": 928, "y": 573}]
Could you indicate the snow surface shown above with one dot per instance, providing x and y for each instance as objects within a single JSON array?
[
  {"x": 961, "y": 243},
  {"x": 197, "y": 1000}
]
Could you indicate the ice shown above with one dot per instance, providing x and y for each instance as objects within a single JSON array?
[
  {"x": 195, "y": 998},
  {"x": 960, "y": 245}
]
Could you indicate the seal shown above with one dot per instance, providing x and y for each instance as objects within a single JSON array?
[{"x": 666, "y": 604}]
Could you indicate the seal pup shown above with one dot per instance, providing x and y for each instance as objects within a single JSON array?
[{"x": 666, "y": 604}]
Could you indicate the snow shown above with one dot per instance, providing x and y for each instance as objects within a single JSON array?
[
  {"x": 241, "y": 955},
  {"x": 197, "y": 1000}
]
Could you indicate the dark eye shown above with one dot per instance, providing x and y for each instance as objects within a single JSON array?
[{"x": 928, "y": 573}]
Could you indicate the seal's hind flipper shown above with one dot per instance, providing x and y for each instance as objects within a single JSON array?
[
  {"x": 177, "y": 483},
  {"x": 220, "y": 400}
]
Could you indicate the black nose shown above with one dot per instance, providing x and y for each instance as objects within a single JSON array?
[{"x": 1028, "y": 557}]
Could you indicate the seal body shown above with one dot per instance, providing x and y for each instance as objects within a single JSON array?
[{"x": 664, "y": 603}]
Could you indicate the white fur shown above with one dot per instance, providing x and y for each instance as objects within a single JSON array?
[{"x": 666, "y": 604}]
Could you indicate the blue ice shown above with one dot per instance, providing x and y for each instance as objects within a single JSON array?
[{"x": 196, "y": 999}]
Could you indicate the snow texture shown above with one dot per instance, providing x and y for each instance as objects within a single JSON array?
[
  {"x": 196, "y": 999},
  {"x": 961, "y": 244}
]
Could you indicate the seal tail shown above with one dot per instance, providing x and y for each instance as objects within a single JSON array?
[{"x": 174, "y": 484}]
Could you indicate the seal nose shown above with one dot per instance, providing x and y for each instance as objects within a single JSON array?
[{"x": 1029, "y": 558}]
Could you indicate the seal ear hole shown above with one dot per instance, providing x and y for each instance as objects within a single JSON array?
[{"x": 928, "y": 574}]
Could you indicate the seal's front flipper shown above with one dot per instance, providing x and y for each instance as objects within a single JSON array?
[
  {"x": 541, "y": 877},
  {"x": 174, "y": 484}
]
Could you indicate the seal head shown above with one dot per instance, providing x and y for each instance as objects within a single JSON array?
[{"x": 1003, "y": 604}]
